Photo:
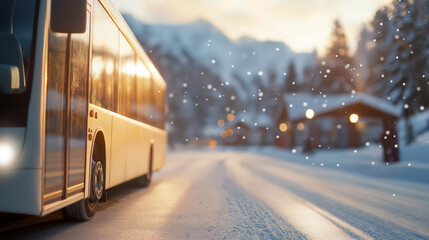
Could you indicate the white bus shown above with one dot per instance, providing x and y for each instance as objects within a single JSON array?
[{"x": 82, "y": 108}]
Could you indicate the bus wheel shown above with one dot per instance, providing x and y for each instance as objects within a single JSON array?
[
  {"x": 144, "y": 180},
  {"x": 84, "y": 210}
]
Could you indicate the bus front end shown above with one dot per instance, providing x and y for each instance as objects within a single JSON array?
[{"x": 22, "y": 54}]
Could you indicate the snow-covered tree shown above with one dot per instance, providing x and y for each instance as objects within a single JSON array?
[
  {"x": 335, "y": 68},
  {"x": 399, "y": 55},
  {"x": 291, "y": 79}
]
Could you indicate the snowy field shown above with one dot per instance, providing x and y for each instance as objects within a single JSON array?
[{"x": 414, "y": 165}]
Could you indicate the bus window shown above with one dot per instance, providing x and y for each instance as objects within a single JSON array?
[
  {"x": 105, "y": 60},
  {"x": 126, "y": 78},
  {"x": 55, "y": 107},
  {"x": 78, "y": 106},
  {"x": 17, "y": 21},
  {"x": 144, "y": 93},
  {"x": 158, "y": 116}
]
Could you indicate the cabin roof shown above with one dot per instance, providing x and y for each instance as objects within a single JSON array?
[{"x": 338, "y": 105}]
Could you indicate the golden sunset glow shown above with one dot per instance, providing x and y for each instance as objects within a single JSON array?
[{"x": 303, "y": 25}]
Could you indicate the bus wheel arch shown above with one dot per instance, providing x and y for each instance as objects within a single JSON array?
[{"x": 98, "y": 156}]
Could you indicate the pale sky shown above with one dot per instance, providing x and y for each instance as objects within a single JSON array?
[{"x": 304, "y": 25}]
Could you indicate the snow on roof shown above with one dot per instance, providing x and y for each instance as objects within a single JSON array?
[
  {"x": 253, "y": 120},
  {"x": 298, "y": 103}
]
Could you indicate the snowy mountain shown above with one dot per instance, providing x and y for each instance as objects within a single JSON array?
[
  {"x": 200, "y": 41},
  {"x": 208, "y": 75}
]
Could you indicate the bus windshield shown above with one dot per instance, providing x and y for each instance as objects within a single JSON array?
[{"x": 17, "y": 33}]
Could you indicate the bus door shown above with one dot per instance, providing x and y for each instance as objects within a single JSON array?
[{"x": 66, "y": 115}]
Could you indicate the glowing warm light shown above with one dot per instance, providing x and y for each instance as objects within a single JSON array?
[
  {"x": 97, "y": 67},
  {"x": 221, "y": 123},
  {"x": 283, "y": 127},
  {"x": 128, "y": 68},
  {"x": 230, "y": 117},
  {"x": 109, "y": 67},
  {"x": 300, "y": 126},
  {"x": 7, "y": 154},
  {"x": 142, "y": 71},
  {"x": 230, "y": 132},
  {"x": 309, "y": 113},
  {"x": 224, "y": 134},
  {"x": 212, "y": 143},
  {"x": 354, "y": 118}
]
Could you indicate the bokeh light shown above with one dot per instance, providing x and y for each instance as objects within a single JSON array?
[{"x": 354, "y": 118}]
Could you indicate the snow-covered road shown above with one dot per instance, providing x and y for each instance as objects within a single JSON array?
[{"x": 225, "y": 194}]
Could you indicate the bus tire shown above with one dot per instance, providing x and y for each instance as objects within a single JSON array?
[
  {"x": 79, "y": 211},
  {"x": 84, "y": 209},
  {"x": 144, "y": 181}
]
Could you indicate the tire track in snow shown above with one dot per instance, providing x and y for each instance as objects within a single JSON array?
[
  {"x": 312, "y": 190},
  {"x": 304, "y": 216},
  {"x": 252, "y": 219}
]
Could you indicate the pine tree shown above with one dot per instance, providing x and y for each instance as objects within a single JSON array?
[
  {"x": 335, "y": 69},
  {"x": 379, "y": 52},
  {"x": 410, "y": 61},
  {"x": 399, "y": 56},
  {"x": 291, "y": 79}
]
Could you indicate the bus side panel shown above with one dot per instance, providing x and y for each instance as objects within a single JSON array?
[
  {"x": 130, "y": 149},
  {"x": 159, "y": 150},
  {"x": 118, "y": 151},
  {"x": 137, "y": 150}
]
